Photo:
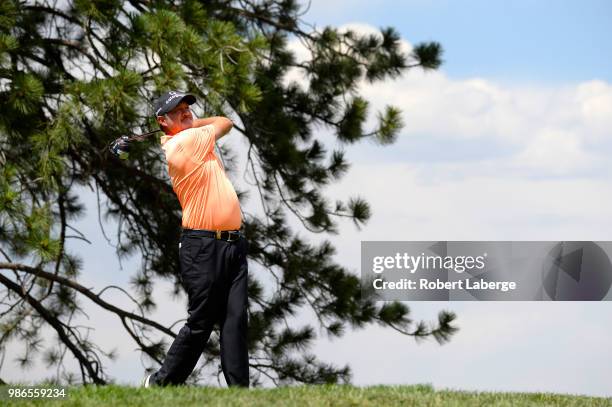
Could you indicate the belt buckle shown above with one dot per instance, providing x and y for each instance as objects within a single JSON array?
[{"x": 219, "y": 234}]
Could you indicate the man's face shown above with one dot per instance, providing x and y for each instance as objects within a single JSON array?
[{"x": 178, "y": 119}]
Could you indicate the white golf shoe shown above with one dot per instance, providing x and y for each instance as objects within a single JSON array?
[{"x": 146, "y": 381}]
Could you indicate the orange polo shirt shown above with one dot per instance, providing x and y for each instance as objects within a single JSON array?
[{"x": 207, "y": 196}]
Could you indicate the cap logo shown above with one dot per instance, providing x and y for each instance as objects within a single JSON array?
[{"x": 173, "y": 95}]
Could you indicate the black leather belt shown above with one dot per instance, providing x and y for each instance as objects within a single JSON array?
[{"x": 227, "y": 235}]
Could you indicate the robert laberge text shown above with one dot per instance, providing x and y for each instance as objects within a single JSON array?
[{"x": 424, "y": 284}]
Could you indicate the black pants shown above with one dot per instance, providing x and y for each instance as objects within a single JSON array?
[{"x": 214, "y": 275}]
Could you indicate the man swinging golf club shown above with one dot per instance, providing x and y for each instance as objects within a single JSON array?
[{"x": 212, "y": 251}]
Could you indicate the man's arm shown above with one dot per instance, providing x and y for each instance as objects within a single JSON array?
[{"x": 222, "y": 125}]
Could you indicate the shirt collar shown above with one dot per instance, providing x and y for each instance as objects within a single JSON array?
[{"x": 164, "y": 139}]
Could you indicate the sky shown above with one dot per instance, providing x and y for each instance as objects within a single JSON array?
[
  {"x": 508, "y": 140},
  {"x": 511, "y": 41}
]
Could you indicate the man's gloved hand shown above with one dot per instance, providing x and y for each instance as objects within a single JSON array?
[{"x": 121, "y": 148}]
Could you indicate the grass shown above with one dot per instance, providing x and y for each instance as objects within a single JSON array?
[{"x": 325, "y": 395}]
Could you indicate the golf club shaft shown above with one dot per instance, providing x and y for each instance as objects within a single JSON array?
[{"x": 141, "y": 137}]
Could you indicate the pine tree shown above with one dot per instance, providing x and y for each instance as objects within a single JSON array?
[{"x": 75, "y": 75}]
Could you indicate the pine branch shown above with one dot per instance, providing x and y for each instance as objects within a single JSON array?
[
  {"x": 86, "y": 292},
  {"x": 56, "y": 325}
]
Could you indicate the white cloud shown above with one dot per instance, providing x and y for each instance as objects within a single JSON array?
[
  {"x": 555, "y": 149},
  {"x": 595, "y": 101},
  {"x": 539, "y": 131}
]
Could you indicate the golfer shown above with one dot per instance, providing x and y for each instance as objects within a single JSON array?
[{"x": 212, "y": 251}]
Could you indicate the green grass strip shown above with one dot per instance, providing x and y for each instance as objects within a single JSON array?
[{"x": 324, "y": 395}]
